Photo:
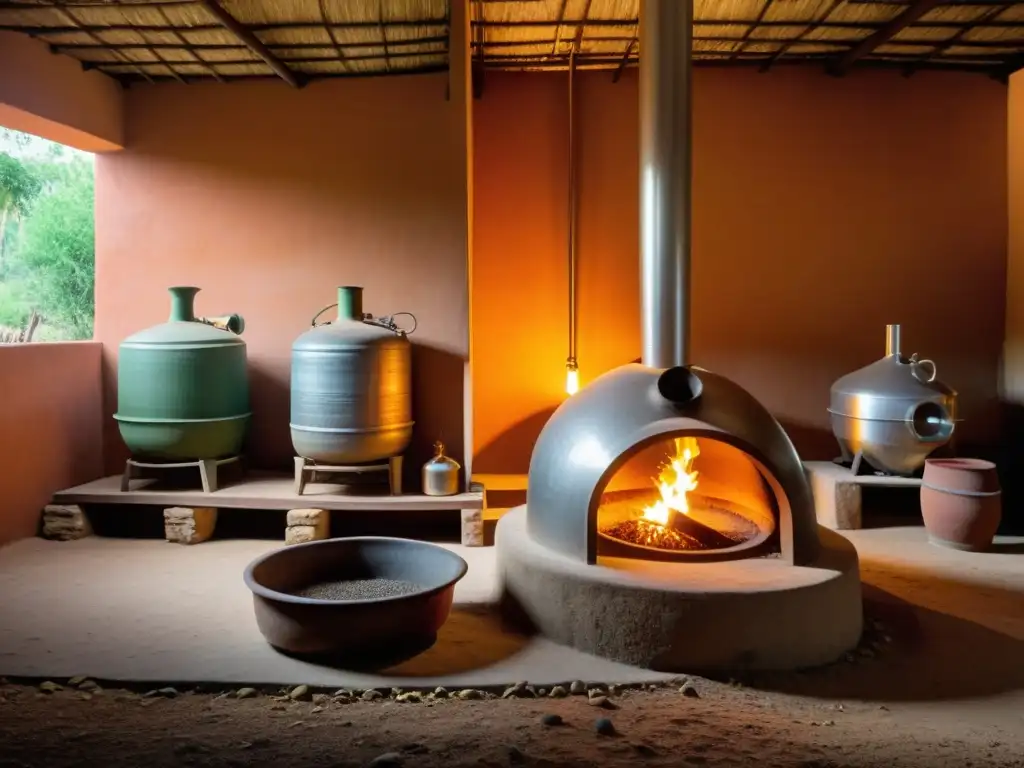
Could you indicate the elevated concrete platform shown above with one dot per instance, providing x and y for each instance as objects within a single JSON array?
[{"x": 758, "y": 614}]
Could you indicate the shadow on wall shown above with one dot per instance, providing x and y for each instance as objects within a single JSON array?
[
  {"x": 510, "y": 452},
  {"x": 811, "y": 442},
  {"x": 437, "y": 402}
]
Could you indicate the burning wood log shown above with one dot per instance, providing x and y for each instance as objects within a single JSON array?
[{"x": 707, "y": 536}]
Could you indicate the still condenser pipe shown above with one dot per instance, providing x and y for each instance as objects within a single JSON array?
[{"x": 666, "y": 42}]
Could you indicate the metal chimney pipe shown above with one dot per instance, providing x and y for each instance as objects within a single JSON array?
[{"x": 666, "y": 42}]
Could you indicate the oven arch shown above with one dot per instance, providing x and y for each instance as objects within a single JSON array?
[{"x": 591, "y": 434}]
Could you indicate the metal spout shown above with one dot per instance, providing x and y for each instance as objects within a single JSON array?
[
  {"x": 892, "y": 340},
  {"x": 233, "y": 323},
  {"x": 182, "y": 302},
  {"x": 350, "y": 302}
]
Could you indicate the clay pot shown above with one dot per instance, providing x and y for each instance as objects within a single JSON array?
[{"x": 961, "y": 503}]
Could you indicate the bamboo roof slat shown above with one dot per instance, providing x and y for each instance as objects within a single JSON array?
[{"x": 162, "y": 39}]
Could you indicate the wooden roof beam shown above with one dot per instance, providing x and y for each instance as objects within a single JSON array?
[
  {"x": 880, "y": 37},
  {"x": 252, "y": 42},
  {"x": 625, "y": 60}
]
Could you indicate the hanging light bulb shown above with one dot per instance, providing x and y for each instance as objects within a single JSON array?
[
  {"x": 572, "y": 377},
  {"x": 572, "y": 374}
]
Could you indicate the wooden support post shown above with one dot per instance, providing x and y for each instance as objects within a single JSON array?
[
  {"x": 189, "y": 525},
  {"x": 306, "y": 472},
  {"x": 307, "y": 525},
  {"x": 65, "y": 522},
  {"x": 208, "y": 475},
  {"x": 395, "y": 475},
  {"x": 473, "y": 521}
]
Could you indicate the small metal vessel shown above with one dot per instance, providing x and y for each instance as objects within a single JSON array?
[
  {"x": 894, "y": 412},
  {"x": 441, "y": 474}
]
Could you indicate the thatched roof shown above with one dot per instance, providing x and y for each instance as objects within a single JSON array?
[{"x": 300, "y": 40}]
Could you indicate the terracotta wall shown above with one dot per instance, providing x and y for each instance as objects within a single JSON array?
[
  {"x": 51, "y": 96},
  {"x": 268, "y": 198},
  {"x": 51, "y": 427},
  {"x": 51, "y": 419},
  {"x": 823, "y": 209}
]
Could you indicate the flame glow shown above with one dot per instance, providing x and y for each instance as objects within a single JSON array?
[{"x": 674, "y": 482}]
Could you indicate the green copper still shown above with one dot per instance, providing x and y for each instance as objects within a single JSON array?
[{"x": 182, "y": 386}]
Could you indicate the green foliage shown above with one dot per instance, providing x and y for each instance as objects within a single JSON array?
[
  {"x": 19, "y": 184},
  {"x": 46, "y": 236},
  {"x": 14, "y": 305},
  {"x": 56, "y": 253}
]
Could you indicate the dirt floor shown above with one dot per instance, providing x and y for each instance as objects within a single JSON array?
[{"x": 727, "y": 725}]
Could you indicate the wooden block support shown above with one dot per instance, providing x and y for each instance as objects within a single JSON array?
[
  {"x": 837, "y": 493},
  {"x": 65, "y": 522},
  {"x": 307, "y": 525},
  {"x": 473, "y": 522},
  {"x": 189, "y": 525}
]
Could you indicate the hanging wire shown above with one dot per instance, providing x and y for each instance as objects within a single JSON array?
[{"x": 571, "y": 365}]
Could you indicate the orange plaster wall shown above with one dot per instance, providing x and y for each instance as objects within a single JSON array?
[
  {"x": 1013, "y": 370},
  {"x": 268, "y": 198},
  {"x": 823, "y": 209},
  {"x": 50, "y": 427},
  {"x": 51, "y": 96}
]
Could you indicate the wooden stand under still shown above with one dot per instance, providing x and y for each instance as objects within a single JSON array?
[
  {"x": 208, "y": 470},
  {"x": 306, "y": 470},
  {"x": 837, "y": 491}
]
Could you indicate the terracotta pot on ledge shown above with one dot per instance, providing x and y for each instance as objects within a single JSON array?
[{"x": 961, "y": 503}]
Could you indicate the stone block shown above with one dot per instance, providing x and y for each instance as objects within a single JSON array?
[
  {"x": 473, "y": 527},
  {"x": 65, "y": 522},
  {"x": 307, "y": 525},
  {"x": 189, "y": 525}
]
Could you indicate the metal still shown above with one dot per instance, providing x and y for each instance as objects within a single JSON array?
[
  {"x": 183, "y": 386},
  {"x": 894, "y": 412},
  {"x": 441, "y": 474},
  {"x": 351, "y": 390}
]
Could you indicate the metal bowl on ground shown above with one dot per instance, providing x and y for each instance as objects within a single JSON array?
[{"x": 347, "y": 596}]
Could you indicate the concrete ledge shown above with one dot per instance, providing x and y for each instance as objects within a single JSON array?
[
  {"x": 757, "y": 614},
  {"x": 837, "y": 493}
]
